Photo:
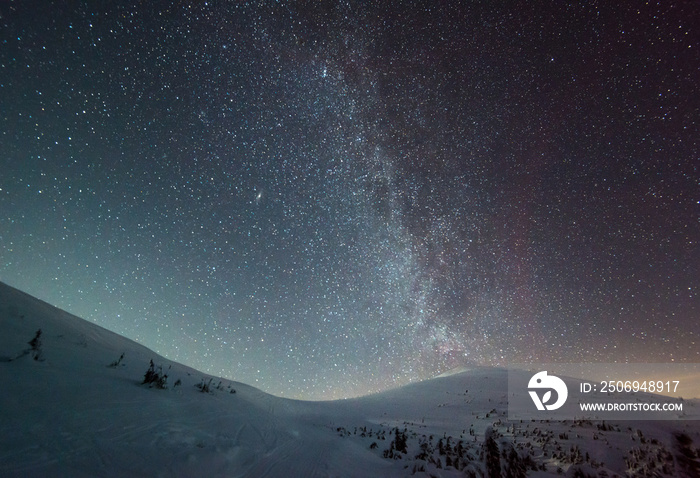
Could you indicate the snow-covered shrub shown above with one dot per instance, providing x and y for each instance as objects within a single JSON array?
[
  {"x": 155, "y": 377},
  {"x": 204, "y": 387}
]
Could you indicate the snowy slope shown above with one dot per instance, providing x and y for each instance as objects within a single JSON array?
[{"x": 72, "y": 414}]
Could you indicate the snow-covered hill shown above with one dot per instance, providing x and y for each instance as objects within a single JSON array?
[{"x": 73, "y": 404}]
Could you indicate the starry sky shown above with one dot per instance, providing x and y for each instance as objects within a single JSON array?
[{"x": 328, "y": 199}]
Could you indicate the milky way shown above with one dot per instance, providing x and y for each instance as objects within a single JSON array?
[{"x": 327, "y": 199}]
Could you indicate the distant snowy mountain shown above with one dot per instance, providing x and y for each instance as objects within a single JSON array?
[{"x": 73, "y": 403}]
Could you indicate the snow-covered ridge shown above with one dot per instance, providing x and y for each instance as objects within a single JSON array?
[{"x": 72, "y": 403}]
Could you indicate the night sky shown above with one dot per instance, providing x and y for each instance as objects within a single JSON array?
[{"x": 327, "y": 199}]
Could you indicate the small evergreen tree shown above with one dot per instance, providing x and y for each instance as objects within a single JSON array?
[
  {"x": 491, "y": 454},
  {"x": 116, "y": 363},
  {"x": 151, "y": 375},
  {"x": 400, "y": 441},
  {"x": 35, "y": 345}
]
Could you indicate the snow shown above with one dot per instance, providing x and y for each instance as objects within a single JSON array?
[{"x": 72, "y": 414}]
